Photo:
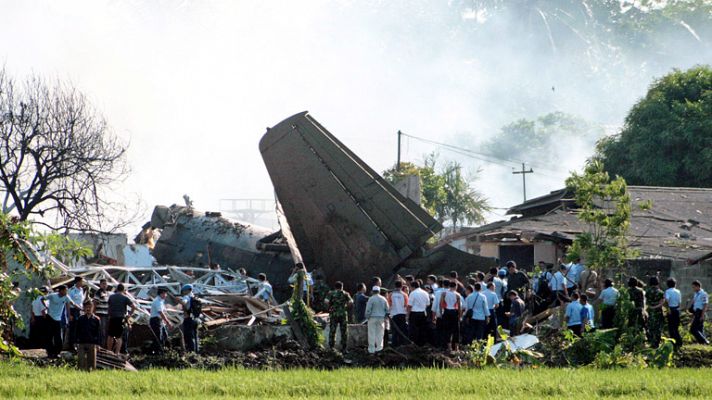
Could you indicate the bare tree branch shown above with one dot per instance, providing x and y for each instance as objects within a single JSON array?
[{"x": 58, "y": 156}]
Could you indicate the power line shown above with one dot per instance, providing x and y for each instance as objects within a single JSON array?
[{"x": 484, "y": 157}]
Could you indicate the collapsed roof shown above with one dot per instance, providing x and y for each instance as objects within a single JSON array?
[{"x": 677, "y": 225}]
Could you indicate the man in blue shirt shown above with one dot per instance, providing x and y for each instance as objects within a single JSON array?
[
  {"x": 493, "y": 302},
  {"x": 608, "y": 299},
  {"x": 76, "y": 293},
  {"x": 699, "y": 309},
  {"x": 159, "y": 321},
  {"x": 56, "y": 304},
  {"x": 587, "y": 313},
  {"x": 673, "y": 298},
  {"x": 477, "y": 302},
  {"x": 573, "y": 315}
]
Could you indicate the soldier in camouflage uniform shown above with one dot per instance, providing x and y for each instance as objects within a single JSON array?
[
  {"x": 655, "y": 298},
  {"x": 321, "y": 290},
  {"x": 637, "y": 316},
  {"x": 338, "y": 302}
]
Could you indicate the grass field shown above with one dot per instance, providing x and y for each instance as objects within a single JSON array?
[{"x": 18, "y": 380}]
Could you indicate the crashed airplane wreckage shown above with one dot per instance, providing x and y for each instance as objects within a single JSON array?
[
  {"x": 225, "y": 295},
  {"x": 342, "y": 217}
]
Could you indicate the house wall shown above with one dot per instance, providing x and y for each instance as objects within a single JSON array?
[
  {"x": 685, "y": 274},
  {"x": 489, "y": 249}
]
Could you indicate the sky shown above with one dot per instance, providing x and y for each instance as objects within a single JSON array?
[{"x": 192, "y": 85}]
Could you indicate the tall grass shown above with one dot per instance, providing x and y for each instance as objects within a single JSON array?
[{"x": 18, "y": 380}]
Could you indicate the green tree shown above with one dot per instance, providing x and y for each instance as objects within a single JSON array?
[
  {"x": 543, "y": 140},
  {"x": 20, "y": 246},
  {"x": 604, "y": 208},
  {"x": 463, "y": 203},
  {"x": 447, "y": 194},
  {"x": 667, "y": 136}
]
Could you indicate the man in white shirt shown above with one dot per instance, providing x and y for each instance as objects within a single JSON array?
[
  {"x": 418, "y": 302},
  {"x": 398, "y": 301},
  {"x": 38, "y": 320},
  {"x": 574, "y": 274},
  {"x": 608, "y": 299},
  {"x": 437, "y": 313},
  {"x": 673, "y": 298},
  {"x": 159, "y": 321},
  {"x": 307, "y": 284},
  {"x": 376, "y": 311}
]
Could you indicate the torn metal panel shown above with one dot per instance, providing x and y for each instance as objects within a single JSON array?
[{"x": 193, "y": 238}]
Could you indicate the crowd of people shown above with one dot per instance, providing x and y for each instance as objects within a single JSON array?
[
  {"x": 448, "y": 311},
  {"x": 442, "y": 311},
  {"x": 78, "y": 319}
]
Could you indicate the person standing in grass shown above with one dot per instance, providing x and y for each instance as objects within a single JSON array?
[
  {"x": 493, "y": 302},
  {"x": 337, "y": 303},
  {"x": 418, "y": 302},
  {"x": 360, "y": 300},
  {"x": 118, "y": 307},
  {"x": 587, "y": 313},
  {"x": 673, "y": 298},
  {"x": 699, "y": 309},
  {"x": 516, "y": 310},
  {"x": 450, "y": 302},
  {"x": 88, "y": 337},
  {"x": 397, "y": 301},
  {"x": 637, "y": 316},
  {"x": 376, "y": 311},
  {"x": 608, "y": 299},
  {"x": 159, "y": 321},
  {"x": 573, "y": 315},
  {"x": 56, "y": 305},
  {"x": 655, "y": 298}
]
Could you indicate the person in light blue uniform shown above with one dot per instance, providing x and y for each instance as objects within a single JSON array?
[
  {"x": 673, "y": 299},
  {"x": 493, "y": 303},
  {"x": 587, "y": 314},
  {"x": 573, "y": 315},
  {"x": 699, "y": 309},
  {"x": 477, "y": 302},
  {"x": 608, "y": 299}
]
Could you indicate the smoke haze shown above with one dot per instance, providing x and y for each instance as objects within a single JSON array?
[{"x": 193, "y": 85}]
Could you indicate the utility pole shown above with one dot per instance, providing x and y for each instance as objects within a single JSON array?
[
  {"x": 398, "y": 162},
  {"x": 524, "y": 173}
]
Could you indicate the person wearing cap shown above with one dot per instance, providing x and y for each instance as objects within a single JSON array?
[
  {"x": 119, "y": 303},
  {"x": 376, "y": 311},
  {"x": 38, "y": 318},
  {"x": 190, "y": 323},
  {"x": 159, "y": 321}
]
